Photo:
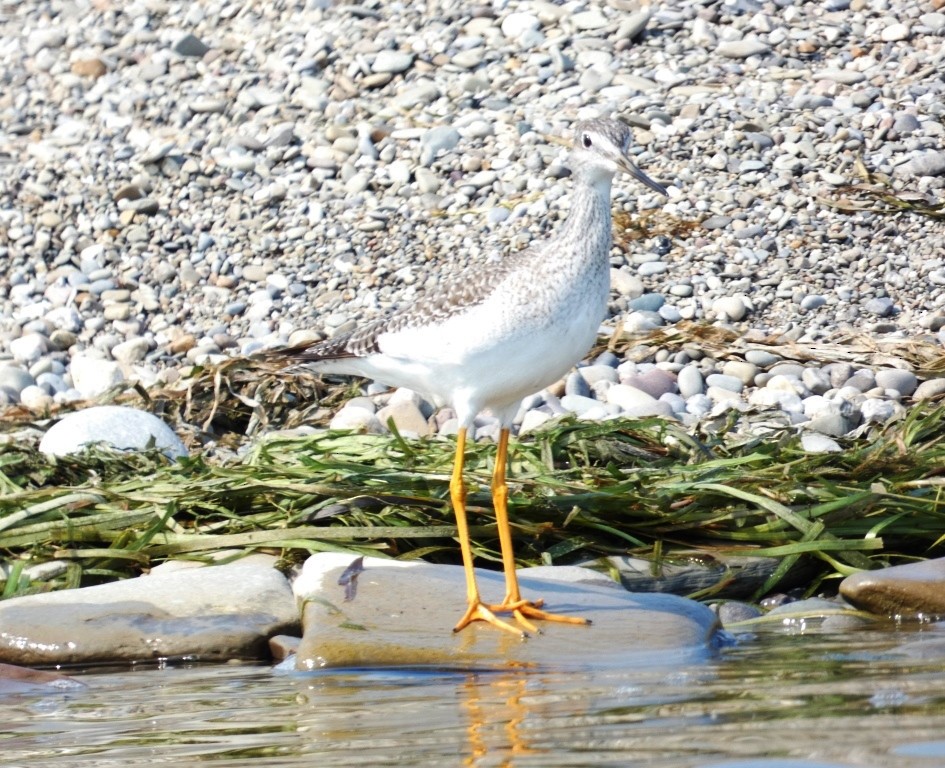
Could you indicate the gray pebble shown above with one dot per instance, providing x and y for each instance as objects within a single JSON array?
[
  {"x": 813, "y": 301},
  {"x": 741, "y": 49},
  {"x": 51, "y": 382},
  {"x": 794, "y": 370},
  {"x": 670, "y": 314},
  {"x": 717, "y": 222},
  {"x": 576, "y": 384},
  {"x": 881, "y": 307},
  {"x": 816, "y": 380},
  {"x": 831, "y": 420},
  {"x": 15, "y": 379},
  {"x": 838, "y": 373},
  {"x": 393, "y": 62},
  {"x": 732, "y": 612},
  {"x": 131, "y": 351},
  {"x": 651, "y": 268},
  {"x": 594, "y": 373},
  {"x": 761, "y": 358},
  {"x": 690, "y": 382},
  {"x": 879, "y": 411},
  {"x": 93, "y": 376},
  {"x": 443, "y": 138},
  {"x": 863, "y": 381},
  {"x": 721, "y": 380},
  {"x": 904, "y": 382},
  {"x": 743, "y": 371},
  {"x": 190, "y": 45},
  {"x": 648, "y": 302},
  {"x": 698, "y": 405},
  {"x": 676, "y": 403},
  {"x": 579, "y": 404}
]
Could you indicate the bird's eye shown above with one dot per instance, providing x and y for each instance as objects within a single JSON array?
[{"x": 586, "y": 141}]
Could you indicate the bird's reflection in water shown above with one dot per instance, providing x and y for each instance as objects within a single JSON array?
[
  {"x": 495, "y": 704},
  {"x": 496, "y": 708}
]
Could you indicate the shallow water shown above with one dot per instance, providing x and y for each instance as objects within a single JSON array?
[{"x": 783, "y": 697}]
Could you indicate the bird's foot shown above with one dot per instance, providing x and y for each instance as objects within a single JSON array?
[
  {"x": 479, "y": 611},
  {"x": 525, "y": 611}
]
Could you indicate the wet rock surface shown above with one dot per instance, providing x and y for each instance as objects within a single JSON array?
[
  {"x": 915, "y": 590},
  {"x": 211, "y": 613},
  {"x": 16, "y": 679},
  {"x": 403, "y": 614}
]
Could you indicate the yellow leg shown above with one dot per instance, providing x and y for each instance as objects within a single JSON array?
[
  {"x": 522, "y": 610},
  {"x": 476, "y": 610}
]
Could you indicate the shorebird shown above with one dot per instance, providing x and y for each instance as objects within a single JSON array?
[{"x": 497, "y": 333}]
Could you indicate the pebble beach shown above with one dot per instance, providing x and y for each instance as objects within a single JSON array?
[{"x": 189, "y": 182}]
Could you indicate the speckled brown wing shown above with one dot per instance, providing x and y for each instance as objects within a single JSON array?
[{"x": 469, "y": 288}]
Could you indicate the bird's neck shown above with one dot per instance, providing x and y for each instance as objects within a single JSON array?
[{"x": 588, "y": 225}]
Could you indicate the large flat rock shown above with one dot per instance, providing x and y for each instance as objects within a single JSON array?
[
  {"x": 217, "y": 612},
  {"x": 402, "y": 614}
]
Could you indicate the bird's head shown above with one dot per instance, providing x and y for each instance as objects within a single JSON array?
[{"x": 602, "y": 148}]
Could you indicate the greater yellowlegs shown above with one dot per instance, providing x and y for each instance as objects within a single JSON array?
[{"x": 499, "y": 332}]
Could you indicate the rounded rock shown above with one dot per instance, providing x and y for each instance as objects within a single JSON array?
[
  {"x": 636, "y": 402},
  {"x": 36, "y": 398},
  {"x": 392, "y": 62},
  {"x": 654, "y": 382},
  {"x": 741, "y": 49},
  {"x": 442, "y": 138},
  {"x": 93, "y": 376},
  {"x": 730, "y": 307},
  {"x": 879, "y": 411},
  {"x": 356, "y": 419},
  {"x": 904, "y": 382},
  {"x": 741, "y": 370},
  {"x": 118, "y": 427},
  {"x": 690, "y": 382},
  {"x": 578, "y": 404},
  {"x": 519, "y": 23},
  {"x": 881, "y": 307},
  {"x": 15, "y": 379},
  {"x": 930, "y": 389},
  {"x": 816, "y": 380},
  {"x": 576, "y": 384},
  {"x": 597, "y": 372},
  {"x": 131, "y": 351},
  {"x": 895, "y": 32},
  {"x": 762, "y": 358},
  {"x": 29, "y": 347},
  {"x": 723, "y": 381}
]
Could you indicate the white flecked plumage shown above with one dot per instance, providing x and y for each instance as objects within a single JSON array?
[{"x": 509, "y": 328}]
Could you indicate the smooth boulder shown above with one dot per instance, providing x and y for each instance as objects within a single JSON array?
[
  {"x": 115, "y": 426},
  {"x": 402, "y": 614},
  {"x": 906, "y": 591}
]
